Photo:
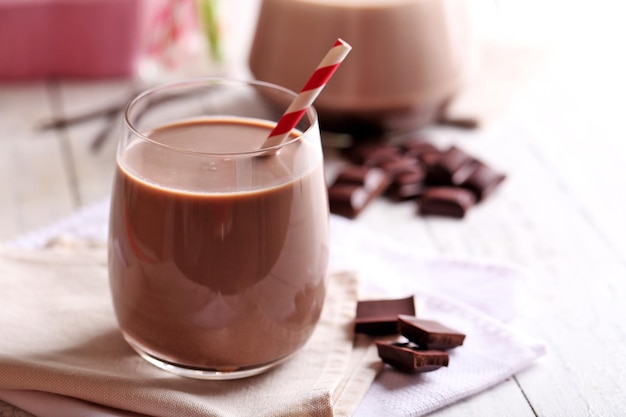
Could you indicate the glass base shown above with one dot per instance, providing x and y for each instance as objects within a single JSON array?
[{"x": 203, "y": 373}]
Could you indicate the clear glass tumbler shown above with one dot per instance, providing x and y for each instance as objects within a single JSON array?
[{"x": 218, "y": 248}]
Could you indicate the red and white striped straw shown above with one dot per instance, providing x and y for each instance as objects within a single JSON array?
[{"x": 309, "y": 93}]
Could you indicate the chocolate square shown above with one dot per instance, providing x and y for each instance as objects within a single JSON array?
[
  {"x": 380, "y": 317},
  {"x": 429, "y": 334},
  {"x": 452, "y": 167},
  {"x": 408, "y": 357},
  {"x": 446, "y": 201},
  {"x": 482, "y": 181}
]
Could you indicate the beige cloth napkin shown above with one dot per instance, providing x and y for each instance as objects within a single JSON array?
[{"x": 58, "y": 335}]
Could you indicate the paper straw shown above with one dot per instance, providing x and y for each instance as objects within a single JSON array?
[{"x": 309, "y": 93}]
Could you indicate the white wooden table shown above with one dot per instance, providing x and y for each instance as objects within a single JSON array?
[{"x": 560, "y": 213}]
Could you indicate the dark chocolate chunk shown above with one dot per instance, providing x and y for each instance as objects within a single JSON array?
[
  {"x": 425, "y": 152},
  {"x": 417, "y": 148},
  {"x": 407, "y": 178},
  {"x": 451, "y": 168},
  {"x": 407, "y": 185},
  {"x": 482, "y": 181},
  {"x": 354, "y": 188},
  {"x": 445, "y": 182},
  {"x": 368, "y": 178},
  {"x": 400, "y": 165},
  {"x": 347, "y": 200},
  {"x": 380, "y": 317},
  {"x": 408, "y": 357},
  {"x": 429, "y": 334},
  {"x": 446, "y": 201},
  {"x": 430, "y": 159},
  {"x": 373, "y": 154}
]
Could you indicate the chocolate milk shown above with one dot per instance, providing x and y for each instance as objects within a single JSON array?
[
  {"x": 409, "y": 57},
  {"x": 226, "y": 279}
]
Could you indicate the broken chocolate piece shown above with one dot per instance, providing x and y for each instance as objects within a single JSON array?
[
  {"x": 445, "y": 182},
  {"x": 406, "y": 186},
  {"x": 429, "y": 334},
  {"x": 354, "y": 188},
  {"x": 482, "y": 181},
  {"x": 347, "y": 200},
  {"x": 407, "y": 178},
  {"x": 380, "y": 317},
  {"x": 452, "y": 167},
  {"x": 418, "y": 147},
  {"x": 368, "y": 178},
  {"x": 373, "y": 154},
  {"x": 425, "y": 152},
  {"x": 430, "y": 159},
  {"x": 408, "y": 357},
  {"x": 400, "y": 165},
  {"x": 446, "y": 201}
]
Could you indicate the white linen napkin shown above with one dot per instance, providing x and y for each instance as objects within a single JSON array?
[{"x": 473, "y": 297}]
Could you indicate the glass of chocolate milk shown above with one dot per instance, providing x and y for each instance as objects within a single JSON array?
[
  {"x": 410, "y": 58},
  {"x": 218, "y": 247}
]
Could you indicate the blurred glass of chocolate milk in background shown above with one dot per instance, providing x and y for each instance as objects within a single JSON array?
[{"x": 409, "y": 59}]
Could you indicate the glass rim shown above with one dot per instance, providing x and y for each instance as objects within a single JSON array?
[{"x": 174, "y": 85}]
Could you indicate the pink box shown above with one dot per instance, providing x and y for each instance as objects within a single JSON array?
[{"x": 70, "y": 38}]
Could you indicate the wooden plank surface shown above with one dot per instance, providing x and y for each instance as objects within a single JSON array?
[
  {"x": 34, "y": 186},
  {"x": 93, "y": 166}
]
